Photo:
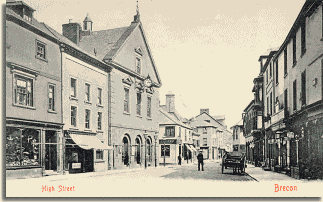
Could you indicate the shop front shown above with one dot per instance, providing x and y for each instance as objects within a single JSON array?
[
  {"x": 33, "y": 149},
  {"x": 84, "y": 152},
  {"x": 169, "y": 151}
]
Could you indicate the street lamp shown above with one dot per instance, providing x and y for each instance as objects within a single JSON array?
[
  {"x": 164, "y": 151},
  {"x": 156, "y": 137}
]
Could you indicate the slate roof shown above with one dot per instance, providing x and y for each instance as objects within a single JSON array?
[
  {"x": 103, "y": 41},
  {"x": 171, "y": 119}
]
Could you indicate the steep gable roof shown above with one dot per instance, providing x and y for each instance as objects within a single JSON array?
[
  {"x": 202, "y": 124},
  {"x": 210, "y": 117},
  {"x": 170, "y": 119},
  {"x": 109, "y": 42}
]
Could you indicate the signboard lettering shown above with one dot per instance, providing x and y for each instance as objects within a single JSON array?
[{"x": 167, "y": 141}]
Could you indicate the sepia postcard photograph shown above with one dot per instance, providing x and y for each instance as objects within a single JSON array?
[{"x": 162, "y": 99}]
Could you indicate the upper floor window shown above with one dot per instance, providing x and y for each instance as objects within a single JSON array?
[
  {"x": 277, "y": 71},
  {"x": 303, "y": 36},
  {"x": 149, "y": 107},
  {"x": 73, "y": 116},
  {"x": 294, "y": 50},
  {"x": 23, "y": 90},
  {"x": 267, "y": 76},
  {"x": 51, "y": 97},
  {"x": 126, "y": 100},
  {"x": 204, "y": 130},
  {"x": 294, "y": 95},
  {"x": 170, "y": 131},
  {"x": 40, "y": 50},
  {"x": 87, "y": 92},
  {"x": 303, "y": 88},
  {"x": 73, "y": 87},
  {"x": 99, "y": 120},
  {"x": 285, "y": 61},
  {"x": 138, "y": 65},
  {"x": 270, "y": 70},
  {"x": 87, "y": 118},
  {"x": 204, "y": 141},
  {"x": 99, "y": 96},
  {"x": 139, "y": 104}
]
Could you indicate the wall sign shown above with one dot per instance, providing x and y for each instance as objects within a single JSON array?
[
  {"x": 76, "y": 165},
  {"x": 168, "y": 141}
]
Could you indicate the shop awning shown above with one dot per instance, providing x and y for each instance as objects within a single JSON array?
[
  {"x": 189, "y": 148},
  {"x": 88, "y": 142},
  {"x": 193, "y": 148}
]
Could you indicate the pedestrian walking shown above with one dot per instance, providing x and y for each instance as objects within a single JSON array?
[
  {"x": 179, "y": 160},
  {"x": 200, "y": 161}
]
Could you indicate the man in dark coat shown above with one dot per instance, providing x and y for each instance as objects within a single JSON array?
[
  {"x": 200, "y": 160},
  {"x": 179, "y": 160}
]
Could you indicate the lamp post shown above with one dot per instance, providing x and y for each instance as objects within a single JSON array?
[
  {"x": 156, "y": 137},
  {"x": 145, "y": 136}
]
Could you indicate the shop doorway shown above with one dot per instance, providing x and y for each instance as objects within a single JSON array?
[
  {"x": 50, "y": 152},
  {"x": 149, "y": 151}
]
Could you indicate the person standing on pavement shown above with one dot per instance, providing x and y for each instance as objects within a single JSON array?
[
  {"x": 179, "y": 160},
  {"x": 200, "y": 161}
]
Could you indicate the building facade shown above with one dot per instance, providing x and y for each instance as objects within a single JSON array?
[
  {"x": 33, "y": 96},
  {"x": 175, "y": 135},
  {"x": 239, "y": 142},
  {"x": 133, "y": 127},
  {"x": 292, "y": 96}
]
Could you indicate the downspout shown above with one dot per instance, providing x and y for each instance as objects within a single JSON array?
[{"x": 109, "y": 118}]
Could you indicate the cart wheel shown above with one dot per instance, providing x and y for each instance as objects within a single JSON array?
[{"x": 222, "y": 168}]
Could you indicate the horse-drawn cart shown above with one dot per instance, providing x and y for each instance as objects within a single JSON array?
[{"x": 235, "y": 160}]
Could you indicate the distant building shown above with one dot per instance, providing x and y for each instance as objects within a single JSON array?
[{"x": 239, "y": 143}]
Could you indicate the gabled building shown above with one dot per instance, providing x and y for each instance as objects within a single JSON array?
[
  {"x": 175, "y": 136},
  {"x": 215, "y": 138},
  {"x": 239, "y": 143},
  {"x": 33, "y": 96},
  {"x": 132, "y": 127}
]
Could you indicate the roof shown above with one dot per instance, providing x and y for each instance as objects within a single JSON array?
[
  {"x": 202, "y": 124},
  {"x": 219, "y": 117},
  {"x": 107, "y": 43},
  {"x": 240, "y": 123},
  {"x": 171, "y": 119},
  {"x": 16, "y": 3},
  {"x": 175, "y": 113},
  {"x": 103, "y": 41},
  {"x": 87, "y": 18},
  {"x": 210, "y": 117}
]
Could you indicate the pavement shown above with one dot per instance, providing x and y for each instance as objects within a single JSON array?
[{"x": 261, "y": 175}]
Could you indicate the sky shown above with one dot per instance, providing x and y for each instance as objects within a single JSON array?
[{"x": 206, "y": 52}]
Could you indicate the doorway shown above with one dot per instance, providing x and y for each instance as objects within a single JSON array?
[{"x": 50, "y": 152}]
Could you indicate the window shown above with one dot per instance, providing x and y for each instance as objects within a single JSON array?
[
  {"x": 73, "y": 116},
  {"x": 87, "y": 92},
  {"x": 270, "y": 70},
  {"x": 40, "y": 50},
  {"x": 294, "y": 95},
  {"x": 23, "y": 90},
  {"x": 87, "y": 118},
  {"x": 198, "y": 143},
  {"x": 126, "y": 100},
  {"x": 99, "y": 96},
  {"x": 51, "y": 97},
  {"x": 165, "y": 150},
  {"x": 18, "y": 140},
  {"x": 170, "y": 131},
  {"x": 285, "y": 99},
  {"x": 285, "y": 61},
  {"x": 138, "y": 65},
  {"x": 99, "y": 120},
  {"x": 73, "y": 87},
  {"x": 267, "y": 76},
  {"x": 204, "y": 131},
  {"x": 139, "y": 104},
  {"x": 294, "y": 50},
  {"x": 271, "y": 103},
  {"x": 149, "y": 107},
  {"x": 180, "y": 132},
  {"x": 99, "y": 154},
  {"x": 303, "y": 88},
  {"x": 204, "y": 141},
  {"x": 268, "y": 111},
  {"x": 303, "y": 36},
  {"x": 277, "y": 71}
]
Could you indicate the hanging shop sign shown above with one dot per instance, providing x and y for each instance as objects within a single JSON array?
[{"x": 168, "y": 141}]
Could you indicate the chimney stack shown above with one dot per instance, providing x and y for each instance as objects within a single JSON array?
[
  {"x": 72, "y": 31},
  {"x": 170, "y": 102},
  {"x": 205, "y": 110}
]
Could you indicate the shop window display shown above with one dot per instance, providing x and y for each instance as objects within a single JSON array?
[{"x": 21, "y": 147}]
